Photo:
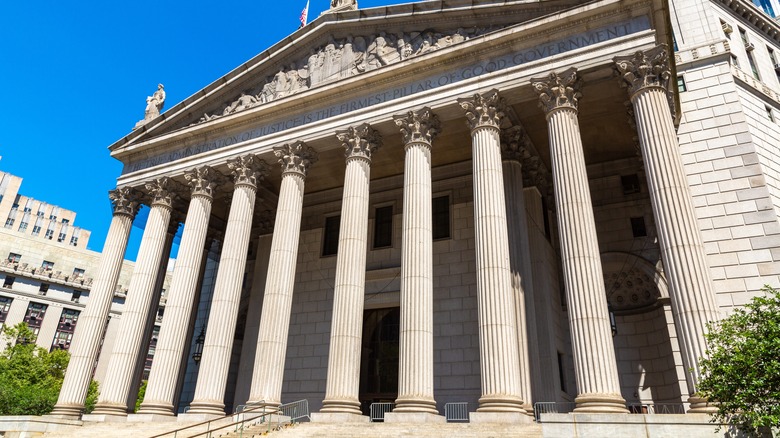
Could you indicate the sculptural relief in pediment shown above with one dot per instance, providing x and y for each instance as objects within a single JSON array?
[{"x": 340, "y": 59}]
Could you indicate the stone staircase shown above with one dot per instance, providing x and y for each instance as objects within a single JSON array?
[{"x": 381, "y": 430}]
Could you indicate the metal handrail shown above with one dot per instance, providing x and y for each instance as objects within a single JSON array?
[{"x": 208, "y": 423}]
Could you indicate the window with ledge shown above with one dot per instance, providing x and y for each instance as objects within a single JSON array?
[
  {"x": 735, "y": 61},
  {"x": 638, "y": 228},
  {"x": 49, "y": 234},
  {"x": 75, "y": 296},
  {"x": 441, "y": 217},
  {"x": 61, "y": 237},
  {"x": 14, "y": 257},
  {"x": 34, "y": 316},
  {"x": 769, "y": 114},
  {"x": 8, "y": 283},
  {"x": 36, "y": 230},
  {"x": 43, "y": 289},
  {"x": 23, "y": 226},
  {"x": 330, "y": 240},
  {"x": 753, "y": 67},
  {"x": 630, "y": 184},
  {"x": 66, "y": 221},
  {"x": 74, "y": 241},
  {"x": 681, "y": 84},
  {"x": 78, "y": 273},
  {"x": 5, "y": 306},
  {"x": 47, "y": 265},
  {"x": 383, "y": 227},
  {"x": 53, "y": 217},
  {"x": 9, "y": 223}
]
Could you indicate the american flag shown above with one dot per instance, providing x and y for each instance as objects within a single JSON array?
[{"x": 305, "y": 14}]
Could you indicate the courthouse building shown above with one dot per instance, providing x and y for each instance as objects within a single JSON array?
[{"x": 492, "y": 202}]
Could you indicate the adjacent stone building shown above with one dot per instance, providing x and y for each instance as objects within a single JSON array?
[
  {"x": 492, "y": 202},
  {"x": 48, "y": 274}
]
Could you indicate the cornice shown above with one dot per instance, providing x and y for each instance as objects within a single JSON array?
[{"x": 754, "y": 16}]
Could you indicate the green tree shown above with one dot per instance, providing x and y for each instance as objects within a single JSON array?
[
  {"x": 742, "y": 370},
  {"x": 31, "y": 376},
  {"x": 141, "y": 394}
]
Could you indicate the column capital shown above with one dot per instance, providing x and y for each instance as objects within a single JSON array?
[
  {"x": 125, "y": 201},
  {"x": 420, "y": 126},
  {"x": 247, "y": 170},
  {"x": 296, "y": 157},
  {"x": 161, "y": 192},
  {"x": 558, "y": 90},
  {"x": 644, "y": 69},
  {"x": 202, "y": 181},
  {"x": 484, "y": 110},
  {"x": 360, "y": 142},
  {"x": 514, "y": 143}
]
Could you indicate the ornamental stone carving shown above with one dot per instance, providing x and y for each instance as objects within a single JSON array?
[
  {"x": 514, "y": 143},
  {"x": 418, "y": 126},
  {"x": 630, "y": 290},
  {"x": 342, "y": 58},
  {"x": 296, "y": 157},
  {"x": 360, "y": 142},
  {"x": 161, "y": 191},
  {"x": 641, "y": 70},
  {"x": 247, "y": 170},
  {"x": 558, "y": 91},
  {"x": 154, "y": 104},
  {"x": 484, "y": 110},
  {"x": 202, "y": 181},
  {"x": 343, "y": 5},
  {"x": 125, "y": 201}
]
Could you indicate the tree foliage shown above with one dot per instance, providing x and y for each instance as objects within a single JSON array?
[
  {"x": 141, "y": 394},
  {"x": 31, "y": 376},
  {"x": 742, "y": 370}
]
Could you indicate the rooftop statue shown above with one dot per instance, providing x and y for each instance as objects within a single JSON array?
[
  {"x": 154, "y": 104},
  {"x": 342, "y": 5}
]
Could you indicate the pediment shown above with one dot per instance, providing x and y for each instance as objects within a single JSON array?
[{"x": 337, "y": 47}]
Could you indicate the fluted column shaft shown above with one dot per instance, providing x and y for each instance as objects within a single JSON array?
[
  {"x": 522, "y": 284},
  {"x": 116, "y": 388},
  {"x": 682, "y": 249},
  {"x": 268, "y": 373},
  {"x": 168, "y": 357},
  {"x": 415, "y": 373},
  {"x": 209, "y": 395},
  {"x": 598, "y": 385},
  {"x": 499, "y": 351},
  {"x": 92, "y": 321},
  {"x": 343, "y": 382}
]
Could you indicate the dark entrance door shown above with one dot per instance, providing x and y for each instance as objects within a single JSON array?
[{"x": 379, "y": 358}]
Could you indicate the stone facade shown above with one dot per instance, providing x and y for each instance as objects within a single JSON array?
[{"x": 559, "y": 205}]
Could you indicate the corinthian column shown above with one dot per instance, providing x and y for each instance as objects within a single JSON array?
[
  {"x": 513, "y": 150},
  {"x": 116, "y": 388},
  {"x": 415, "y": 371},
  {"x": 646, "y": 75},
  {"x": 343, "y": 384},
  {"x": 598, "y": 387},
  {"x": 499, "y": 354},
  {"x": 209, "y": 396},
  {"x": 92, "y": 321},
  {"x": 161, "y": 387},
  {"x": 271, "y": 350}
]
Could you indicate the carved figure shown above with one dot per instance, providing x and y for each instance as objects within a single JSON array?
[
  {"x": 343, "y": 3},
  {"x": 154, "y": 105},
  {"x": 378, "y": 54}
]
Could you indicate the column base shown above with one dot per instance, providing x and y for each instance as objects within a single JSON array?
[
  {"x": 500, "y": 417},
  {"x": 341, "y": 406},
  {"x": 420, "y": 405},
  {"x": 701, "y": 405},
  {"x": 149, "y": 418},
  {"x": 161, "y": 409},
  {"x": 413, "y": 417},
  {"x": 67, "y": 412},
  {"x": 600, "y": 404},
  {"x": 337, "y": 417},
  {"x": 110, "y": 409},
  {"x": 104, "y": 418},
  {"x": 501, "y": 404},
  {"x": 207, "y": 408}
]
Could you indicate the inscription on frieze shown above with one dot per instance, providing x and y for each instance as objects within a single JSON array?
[{"x": 515, "y": 59}]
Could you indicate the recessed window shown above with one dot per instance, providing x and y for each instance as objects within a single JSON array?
[
  {"x": 78, "y": 273},
  {"x": 383, "y": 227},
  {"x": 5, "y": 306},
  {"x": 22, "y": 226},
  {"x": 47, "y": 265},
  {"x": 769, "y": 113},
  {"x": 74, "y": 241},
  {"x": 75, "y": 296},
  {"x": 66, "y": 221},
  {"x": 561, "y": 372},
  {"x": 735, "y": 61},
  {"x": 630, "y": 184},
  {"x": 638, "y": 226},
  {"x": 681, "y": 84},
  {"x": 441, "y": 217},
  {"x": 36, "y": 230},
  {"x": 14, "y": 257},
  {"x": 9, "y": 223},
  {"x": 330, "y": 242},
  {"x": 49, "y": 234},
  {"x": 61, "y": 237},
  {"x": 43, "y": 289},
  {"x": 8, "y": 282}
]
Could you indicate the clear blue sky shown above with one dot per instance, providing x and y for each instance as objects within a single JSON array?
[{"x": 76, "y": 75}]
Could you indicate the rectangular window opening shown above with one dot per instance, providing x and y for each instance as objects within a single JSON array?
[
  {"x": 630, "y": 184},
  {"x": 383, "y": 227},
  {"x": 330, "y": 241},
  {"x": 561, "y": 372},
  {"x": 441, "y": 217},
  {"x": 638, "y": 227},
  {"x": 43, "y": 289},
  {"x": 681, "y": 87}
]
